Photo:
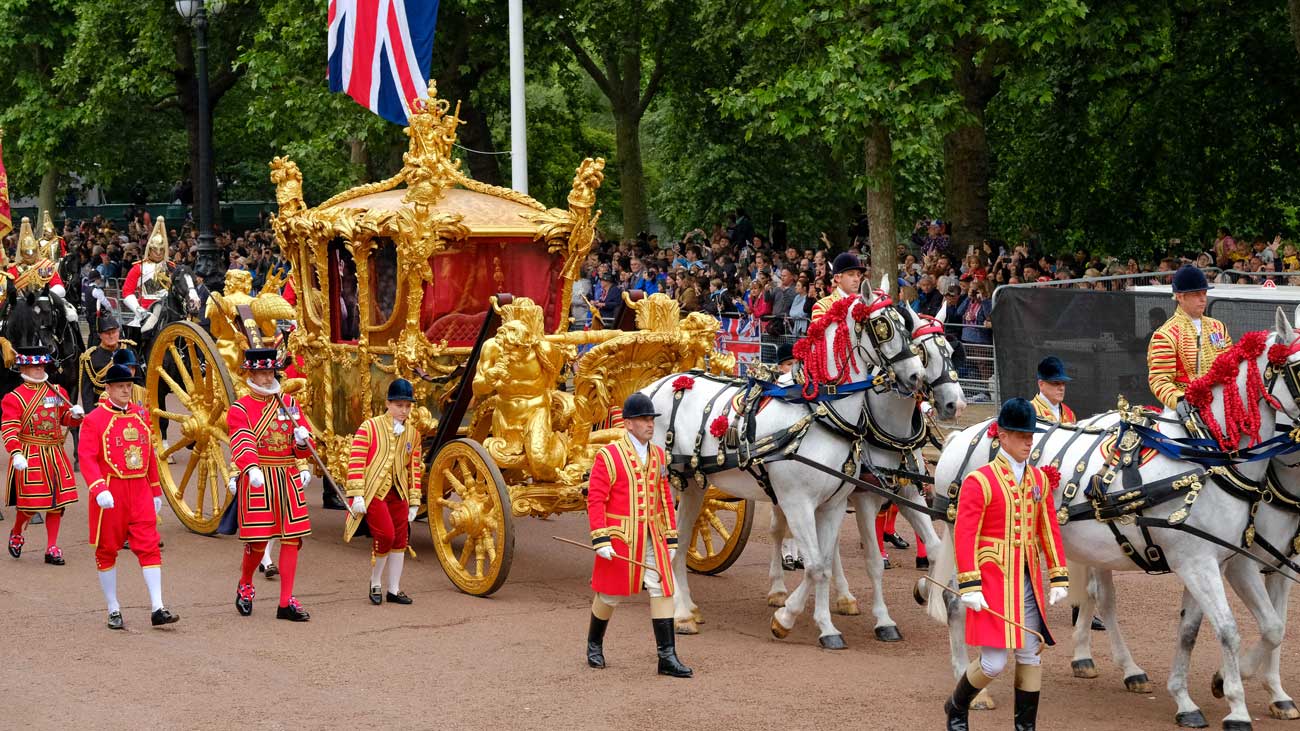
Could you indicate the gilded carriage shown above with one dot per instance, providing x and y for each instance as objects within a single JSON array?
[{"x": 406, "y": 278}]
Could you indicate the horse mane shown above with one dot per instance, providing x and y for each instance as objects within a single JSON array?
[{"x": 1242, "y": 418}]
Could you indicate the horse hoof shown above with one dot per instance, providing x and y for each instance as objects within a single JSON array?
[
  {"x": 1283, "y": 710},
  {"x": 832, "y": 642},
  {"x": 776, "y": 599},
  {"x": 983, "y": 701},
  {"x": 1084, "y": 668},
  {"x": 778, "y": 631},
  {"x": 1139, "y": 683},
  {"x": 1236, "y": 725},
  {"x": 697, "y": 615},
  {"x": 889, "y": 633},
  {"x": 1191, "y": 719},
  {"x": 686, "y": 627},
  {"x": 847, "y": 606},
  {"x": 917, "y": 593},
  {"x": 1216, "y": 686}
]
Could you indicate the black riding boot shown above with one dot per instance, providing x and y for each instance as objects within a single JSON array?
[
  {"x": 958, "y": 705},
  {"x": 666, "y": 641},
  {"x": 1026, "y": 710},
  {"x": 596, "y": 641}
]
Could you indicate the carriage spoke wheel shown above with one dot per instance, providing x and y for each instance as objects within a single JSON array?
[
  {"x": 188, "y": 385},
  {"x": 469, "y": 517},
  {"x": 719, "y": 533}
]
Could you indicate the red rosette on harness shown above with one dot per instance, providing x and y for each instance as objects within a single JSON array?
[
  {"x": 718, "y": 426},
  {"x": 683, "y": 383}
]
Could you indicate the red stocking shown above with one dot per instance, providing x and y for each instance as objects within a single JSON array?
[
  {"x": 52, "y": 520},
  {"x": 288, "y": 567},
  {"x": 891, "y": 517},
  {"x": 20, "y": 521},
  {"x": 880, "y": 532},
  {"x": 252, "y": 557}
]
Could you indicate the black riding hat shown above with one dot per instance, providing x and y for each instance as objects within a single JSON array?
[
  {"x": 400, "y": 390},
  {"x": 1190, "y": 278},
  {"x": 784, "y": 352},
  {"x": 1052, "y": 370},
  {"x": 1017, "y": 414},
  {"x": 125, "y": 357},
  {"x": 638, "y": 405},
  {"x": 846, "y": 262},
  {"x": 118, "y": 374}
]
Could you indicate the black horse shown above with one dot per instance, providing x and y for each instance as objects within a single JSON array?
[
  {"x": 181, "y": 302},
  {"x": 39, "y": 317}
]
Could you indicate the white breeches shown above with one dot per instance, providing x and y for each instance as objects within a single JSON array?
[
  {"x": 649, "y": 581},
  {"x": 993, "y": 660}
]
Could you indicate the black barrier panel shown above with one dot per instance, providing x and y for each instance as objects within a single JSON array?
[{"x": 1101, "y": 336}]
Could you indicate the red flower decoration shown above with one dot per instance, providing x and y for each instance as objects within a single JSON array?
[
  {"x": 1053, "y": 476},
  {"x": 992, "y": 431},
  {"x": 1277, "y": 354},
  {"x": 683, "y": 383},
  {"x": 814, "y": 350},
  {"x": 1241, "y": 416},
  {"x": 719, "y": 426}
]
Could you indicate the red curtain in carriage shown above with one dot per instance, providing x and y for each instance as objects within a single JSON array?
[{"x": 456, "y": 300}]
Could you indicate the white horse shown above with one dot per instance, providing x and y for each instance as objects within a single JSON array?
[
  {"x": 858, "y": 343},
  {"x": 1197, "y": 562},
  {"x": 895, "y": 443}
]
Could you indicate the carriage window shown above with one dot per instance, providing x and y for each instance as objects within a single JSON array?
[
  {"x": 383, "y": 280},
  {"x": 343, "y": 270}
]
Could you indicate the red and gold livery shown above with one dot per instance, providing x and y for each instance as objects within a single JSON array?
[
  {"x": 261, "y": 435},
  {"x": 630, "y": 507},
  {"x": 32, "y": 418},
  {"x": 116, "y": 454},
  {"x": 1177, "y": 355},
  {"x": 1043, "y": 410}
]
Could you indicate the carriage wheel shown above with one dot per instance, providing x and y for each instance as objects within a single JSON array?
[
  {"x": 720, "y": 533},
  {"x": 185, "y": 360},
  {"x": 469, "y": 517}
]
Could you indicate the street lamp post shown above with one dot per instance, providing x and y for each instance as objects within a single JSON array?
[{"x": 209, "y": 264}]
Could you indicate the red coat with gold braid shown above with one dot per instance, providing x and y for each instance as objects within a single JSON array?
[
  {"x": 32, "y": 418},
  {"x": 1001, "y": 529},
  {"x": 261, "y": 434},
  {"x": 630, "y": 507},
  {"x": 1043, "y": 410},
  {"x": 116, "y": 454},
  {"x": 1177, "y": 356}
]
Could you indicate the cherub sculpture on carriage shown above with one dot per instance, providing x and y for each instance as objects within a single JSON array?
[{"x": 408, "y": 277}]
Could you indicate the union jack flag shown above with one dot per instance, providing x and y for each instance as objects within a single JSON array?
[{"x": 380, "y": 52}]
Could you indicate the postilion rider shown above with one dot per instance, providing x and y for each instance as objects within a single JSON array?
[
  {"x": 32, "y": 418},
  {"x": 384, "y": 472},
  {"x": 1184, "y": 348},
  {"x": 631, "y": 515},
  {"x": 1005, "y": 518},
  {"x": 846, "y": 272}
]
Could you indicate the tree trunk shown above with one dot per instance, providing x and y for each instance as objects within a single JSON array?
[
  {"x": 475, "y": 134},
  {"x": 47, "y": 198},
  {"x": 966, "y": 150},
  {"x": 631, "y": 177},
  {"x": 359, "y": 156},
  {"x": 880, "y": 207},
  {"x": 1294, "y": 7}
]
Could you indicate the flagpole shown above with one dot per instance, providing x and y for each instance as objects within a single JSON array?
[{"x": 518, "y": 130}]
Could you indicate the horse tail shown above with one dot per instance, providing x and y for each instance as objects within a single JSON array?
[{"x": 944, "y": 570}]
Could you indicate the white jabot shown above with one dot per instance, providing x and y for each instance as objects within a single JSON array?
[
  {"x": 1056, "y": 408},
  {"x": 842, "y": 293},
  {"x": 1018, "y": 468},
  {"x": 1197, "y": 323},
  {"x": 642, "y": 449}
]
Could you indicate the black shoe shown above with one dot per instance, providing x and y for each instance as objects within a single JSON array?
[
  {"x": 270, "y": 570},
  {"x": 376, "y": 596},
  {"x": 596, "y": 642},
  {"x": 665, "y": 641},
  {"x": 957, "y": 707},
  {"x": 294, "y": 612},
  {"x": 332, "y": 502},
  {"x": 115, "y": 620},
  {"x": 398, "y": 598},
  {"x": 788, "y": 563},
  {"x": 54, "y": 557},
  {"x": 16, "y": 542},
  {"x": 896, "y": 541},
  {"x": 923, "y": 563},
  {"x": 888, "y": 565},
  {"x": 1026, "y": 710},
  {"x": 244, "y": 594},
  {"x": 163, "y": 616},
  {"x": 1098, "y": 625}
]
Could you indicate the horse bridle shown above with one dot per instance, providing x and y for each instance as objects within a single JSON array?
[
  {"x": 931, "y": 329},
  {"x": 883, "y": 322}
]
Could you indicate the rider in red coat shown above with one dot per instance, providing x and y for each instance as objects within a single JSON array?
[
  {"x": 121, "y": 472},
  {"x": 32, "y": 418},
  {"x": 630, "y": 511},
  {"x": 1005, "y": 520},
  {"x": 268, "y": 435}
]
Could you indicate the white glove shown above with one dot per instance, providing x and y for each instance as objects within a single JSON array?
[
  {"x": 398, "y": 429},
  {"x": 358, "y": 506},
  {"x": 20, "y": 462},
  {"x": 410, "y": 513},
  {"x": 975, "y": 601},
  {"x": 157, "y": 505},
  {"x": 77, "y": 411},
  {"x": 926, "y": 407},
  {"x": 304, "y": 477},
  {"x": 300, "y": 435},
  {"x": 104, "y": 500},
  {"x": 672, "y": 555},
  {"x": 1056, "y": 594},
  {"x": 606, "y": 552},
  {"x": 233, "y": 484},
  {"x": 255, "y": 477},
  {"x": 132, "y": 303},
  {"x": 69, "y": 312}
]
